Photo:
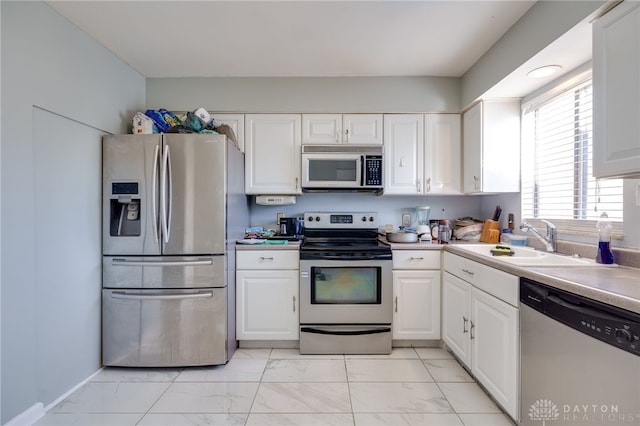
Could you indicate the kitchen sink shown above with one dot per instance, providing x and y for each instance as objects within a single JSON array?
[{"x": 528, "y": 256}]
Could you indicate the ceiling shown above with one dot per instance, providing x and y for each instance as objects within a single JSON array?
[
  {"x": 303, "y": 38},
  {"x": 296, "y": 38}
]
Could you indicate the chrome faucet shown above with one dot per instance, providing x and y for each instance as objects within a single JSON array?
[{"x": 550, "y": 240}]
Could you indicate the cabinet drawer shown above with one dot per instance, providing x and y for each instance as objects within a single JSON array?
[
  {"x": 416, "y": 259},
  {"x": 267, "y": 259},
  {"x": 500, "y": 284}
]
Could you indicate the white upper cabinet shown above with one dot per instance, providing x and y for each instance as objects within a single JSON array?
[
  {"x": 321, "y": 129},
  {"x": 422, "y": 154},
  {"x": 442, "y": 154},
  {"x": 491, "y": 147},
  {"x": 364, "y": 129},
  {"x": 236, "y": 122},
  {"x": 327, "y": 129},
  {"x": 616, "y": 92},
  {"x": 272, "y": 154},
  {"x": 404, "y": 151}
]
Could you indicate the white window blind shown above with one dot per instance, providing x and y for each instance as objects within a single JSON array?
[{"x": 557, "y": 181}]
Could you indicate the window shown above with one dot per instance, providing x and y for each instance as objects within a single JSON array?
[{"x": 557, "y": 181}]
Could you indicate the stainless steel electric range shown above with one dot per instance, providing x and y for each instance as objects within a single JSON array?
[{"x": 345, "y": 285}]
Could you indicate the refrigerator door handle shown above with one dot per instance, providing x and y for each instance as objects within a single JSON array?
[
  {"x": 125, "y": 262},
  {"x": 161, "y": 296},
  {"x": 154, "y": 194},
  {"x": 170, "y": 200},
  {"x": 165, "y": 187}
]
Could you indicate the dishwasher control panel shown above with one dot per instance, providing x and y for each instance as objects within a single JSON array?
[{"x": 614, "y": 326}]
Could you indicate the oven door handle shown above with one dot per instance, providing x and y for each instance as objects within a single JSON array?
[{"x": 346, "y": 333}]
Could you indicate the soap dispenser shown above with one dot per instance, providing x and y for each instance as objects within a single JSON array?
[{"x": 604, "y": 254}]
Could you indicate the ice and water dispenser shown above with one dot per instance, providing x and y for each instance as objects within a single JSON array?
[{"x": 125, "y": 209}]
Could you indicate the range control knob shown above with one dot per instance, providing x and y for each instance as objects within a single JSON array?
[
  {"x": 317, "y": 218},
  {"x": 310, "y": 218},
  {"x": 623, "y": 335},
  {"x": 364, "y": 218},
  {"x": 370, "y": 218}
]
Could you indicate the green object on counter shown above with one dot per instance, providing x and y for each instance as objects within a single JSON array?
[{"x": 276, "y": 242}]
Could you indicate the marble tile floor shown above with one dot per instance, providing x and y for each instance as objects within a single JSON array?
[{"x": 411, "y": 386}]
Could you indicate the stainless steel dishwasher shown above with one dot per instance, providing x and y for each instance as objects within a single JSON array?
[{"x": 580, "y": 360}]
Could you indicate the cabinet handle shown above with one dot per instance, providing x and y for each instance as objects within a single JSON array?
[
  {"x": 262, "y": 259},
  {"x": 468, "y": 272},
  {"x": 294, "y": 303},
  {"x": 471, "y": 330},
  {"x": 418, "y": 185},
  {"x": 297, "y": 183},
  {"x": 428, "y": 185},
  {"x": 476, "y": 179},
  {"x": 396, "y": 304},
  {"x": 464, "y": 325},
  {"x": 417, "y": 258},
  {"x": 346, "y": 132}
]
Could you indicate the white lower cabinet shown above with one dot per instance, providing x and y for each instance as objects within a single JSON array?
[
  {"x": 482, "y": 329},
  {"x": 416, "y": 295},
  {"x": 267, "y": 301}
]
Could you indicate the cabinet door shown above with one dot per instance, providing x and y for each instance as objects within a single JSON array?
[
  {"x": 616, "y": 92},
  {"x": 442, "y": 154},
  {"x": 495, "y": 348},
  {"x": 456, "y": 321},
  {"x": 236, "y": 122},
  {"x": 272, "y": 154},
  {"x": 404, "y": 145},
  {"x": 321, "y": 129},
  {"x": 472, "y": 147},
  {"x": 364, "y": 129},
  {"x": 416, "y": 305},
  {"x": 267, "y": 305}
]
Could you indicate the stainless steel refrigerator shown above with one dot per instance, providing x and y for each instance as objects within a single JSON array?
[{"x": 173, "y": 207}]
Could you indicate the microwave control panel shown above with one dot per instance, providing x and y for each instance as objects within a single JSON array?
[{"x": 373, "y": 170}]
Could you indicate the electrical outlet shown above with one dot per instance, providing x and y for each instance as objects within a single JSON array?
[{"x": 406, "y": 220}]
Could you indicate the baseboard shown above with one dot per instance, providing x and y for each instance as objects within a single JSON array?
[
  {"x": 28, "y": 416},
  {"x": 72, "y": 390},
  {"x": 38, "y": 410}
]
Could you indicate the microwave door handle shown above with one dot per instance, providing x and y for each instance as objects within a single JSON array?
[{"x": 362, "y": 170}]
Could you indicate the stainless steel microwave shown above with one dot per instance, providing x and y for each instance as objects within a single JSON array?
[{"x": 342, "y": 167}]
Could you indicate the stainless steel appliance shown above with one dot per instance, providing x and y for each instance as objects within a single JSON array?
[
  {"x": 580, "y": 359},
  {"x": 173, "y": 206},
  {"x": 342, "y": 167},
  {"x": 346, "y": 287}
]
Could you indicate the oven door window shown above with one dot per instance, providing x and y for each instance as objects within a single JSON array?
[{"x": 346, "y": 285}]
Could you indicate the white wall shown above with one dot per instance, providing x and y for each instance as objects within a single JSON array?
[
  {"x": 60, "y": 91},
  {"x": 540, "y": 26},
  {"x": 306, "y": 94},
  {"x": 390, "y": 208}
]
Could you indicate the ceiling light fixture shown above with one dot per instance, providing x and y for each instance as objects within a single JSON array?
[{"x": 545, "y": 71}]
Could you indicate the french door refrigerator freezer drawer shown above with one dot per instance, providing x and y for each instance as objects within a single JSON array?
[{"x": 164, "y": 328}]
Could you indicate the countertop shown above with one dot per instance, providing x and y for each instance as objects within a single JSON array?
[
  {"x": 614, "y": 285},
  {"x": 290, "y": 245},
  {"x": 611, "y": 284}
]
